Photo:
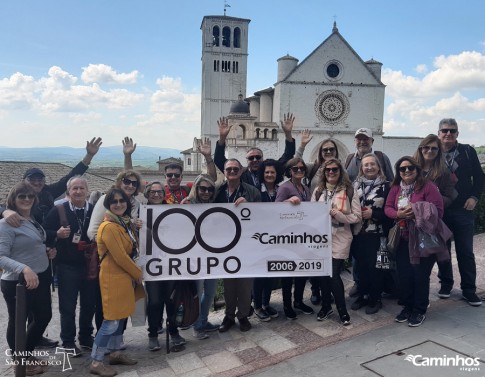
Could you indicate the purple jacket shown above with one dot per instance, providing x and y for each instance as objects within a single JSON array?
[{"x": 428, "y": 221}]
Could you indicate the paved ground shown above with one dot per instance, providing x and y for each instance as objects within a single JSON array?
[{"x": 373, "y": 345}]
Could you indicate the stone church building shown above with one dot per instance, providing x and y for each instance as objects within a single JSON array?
[{"x": 332, "y": 92}]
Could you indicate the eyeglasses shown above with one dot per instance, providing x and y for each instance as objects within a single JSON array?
[
  {"x": 403, "y": 169},
  {"x": 427, "y": 149},
  {"x": 333, "y": 170},
  {"x": 26, "y": 196},
  {"x": 36, "y": 179},
  {"x": 155, "y": 192},
  {"x": 128, "y": 182},
  {"x": 232, "y": 170},
  {"x": 204, "y": 189},
  {"x": 171, "y": 175},
  {"x": 328, "y": 150},
  {"x": 252, "y": 158},
  {"x": 450, "y": 130},
  {"x": 118, "y": 201},
  {"x": 296, "y": 169}
]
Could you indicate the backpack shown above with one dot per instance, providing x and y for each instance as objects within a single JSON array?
[{"x": 185, "y": 303}]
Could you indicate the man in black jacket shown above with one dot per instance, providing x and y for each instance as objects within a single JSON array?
[
  {"x": 254, "y": 156},
  {"x": 463, "y": 163}
]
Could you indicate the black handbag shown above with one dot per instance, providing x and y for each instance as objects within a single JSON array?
[{"x": 393, "y": 239}]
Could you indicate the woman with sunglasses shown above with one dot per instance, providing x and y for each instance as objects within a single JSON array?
[
  {"x": 295, "y": 192},
  {"x": 327, "y": 151},
  {"x": 372, "y": 188},
  {"x": 429, "y": 156},
  {"x": 410, "y": 186},
  {"x": 335, "y": 188},
  {"x": 118, "y": 275},
  {"x": 270, "y": 175},
  {"x": 203, "y": 192},
  {"x": 23, "y": 257}
]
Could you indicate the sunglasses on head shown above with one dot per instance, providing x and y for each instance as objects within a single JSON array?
[
  {"x": 428, "y": 148},
  {"x": 205, "y": 189},
  {"x": 450, "y": 130},
  {"x": 296, "y": 169},
  {"x": 333, "y": 170},
  {"x": 26, "y": 196},
  {"x": 171, "y": 175},
  {"x": 232, "y": 170},
  {"x": 158, "y": 192},
  {"x": 118, "y": 201},
  {"x": 328, "y": 150},
  {"x": 128, "y": 182},
  {"x": 403, "y": 169},
  {"x": 252, "y": 158}
]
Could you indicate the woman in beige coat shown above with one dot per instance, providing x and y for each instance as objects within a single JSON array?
[
  {"x": 336, "y": 188},
  {"x": 119, "y": 274}
]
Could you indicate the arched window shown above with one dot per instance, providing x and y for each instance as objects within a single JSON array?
[
  {"x": 274, "y": 134},
  {"x": 257, "y": 133},
  {"x": 216, "y": 32},
  {"x": 189, "y": 161},
  {"x": 226, "y": 36},
  {"x": 265, "y": 133},
  {"x": 241, "y": 132},
  {"x": 237, "y": 37}
]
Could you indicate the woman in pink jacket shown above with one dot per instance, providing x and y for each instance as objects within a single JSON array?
[{"x": 410, "y": 186}]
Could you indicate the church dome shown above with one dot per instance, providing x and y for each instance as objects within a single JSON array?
[{"x": 240, "y": 106}]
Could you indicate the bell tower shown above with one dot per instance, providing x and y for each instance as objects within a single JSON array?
[{"x": 224, "y": 68}]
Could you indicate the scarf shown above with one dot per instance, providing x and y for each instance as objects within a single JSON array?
[{"x": 125, "y": 222}]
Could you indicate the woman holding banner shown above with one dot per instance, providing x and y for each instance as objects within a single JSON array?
[
  {"x": 295, "y": 192},
  {"x": 335, "y": 188}
]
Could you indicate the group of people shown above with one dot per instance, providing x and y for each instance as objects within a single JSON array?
[{"x": 431, "y": 194}]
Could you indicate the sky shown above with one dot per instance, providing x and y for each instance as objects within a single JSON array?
[{"x": 72, "y": 70}]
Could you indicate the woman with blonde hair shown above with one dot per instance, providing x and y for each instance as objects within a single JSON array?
[{"x": 335, "y": 188}]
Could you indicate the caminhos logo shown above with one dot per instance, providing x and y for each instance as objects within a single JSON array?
[
  {"x": 467, "y": 364},
  {"x": 305, "y": 238}
]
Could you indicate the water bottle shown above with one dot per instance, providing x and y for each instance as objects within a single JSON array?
[{"x": 179, "y": 314}]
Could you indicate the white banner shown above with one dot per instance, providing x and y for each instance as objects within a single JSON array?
[{"x": 201, "y": 241}]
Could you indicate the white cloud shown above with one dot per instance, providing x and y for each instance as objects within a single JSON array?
[
  {"x": 421, "y": 68},
  {"x": 455, "y": 87},
  {"x": 104, "y": 74}
]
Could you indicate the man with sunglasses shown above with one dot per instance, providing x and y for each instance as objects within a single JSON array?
[
  {"x": 237, "y": 291},
  {"x": 463, "y": 163},
  {"x": 254, "y": 156},
  {"x": 46, "y": 194},
  {"x": 363, "y": 143}
]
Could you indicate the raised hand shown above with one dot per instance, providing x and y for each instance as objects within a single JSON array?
[
  {"x": 204, "y": 146},
  {"x": 306, "y": 137},
  {"x": 224, "y": 129},
  {"x": 287, "y": 125},
  {"x": 128, "y": 146},
  {"x": 92, "y": 147}
]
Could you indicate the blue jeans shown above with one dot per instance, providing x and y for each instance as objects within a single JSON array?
[
  {"x": 462, "y": 223},
  {"x": 72, "y": 283},
  {"x": 110, "y": 332},
  {"x": 206, "y": 290}
]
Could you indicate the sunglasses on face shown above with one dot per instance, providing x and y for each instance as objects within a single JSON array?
[
  {"x": 118, "y": 201},
  {"x": 156, "y": 192},
  {"x": 171, "y": 175},
  {"x": 403, "y": 169},
  {"x": 296, "y": 169},
  {"x": 204, "y": 189},
  {"x": 253, "y": 158},
  {"x": 232, "y": 170},
  {"x": 128, "y": 182},
  {"x": 427, "y": 149},
  {"x": 26, "y": 196},
  {"x": 333, "y": 170},
  {"x": 450, "y": 130},
  {"x": 328, "y": 150}
]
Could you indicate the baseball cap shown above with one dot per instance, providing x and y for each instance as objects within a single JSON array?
[
  {"x": 33, "y": 171},
  {"x": 364, "y": 131}
]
